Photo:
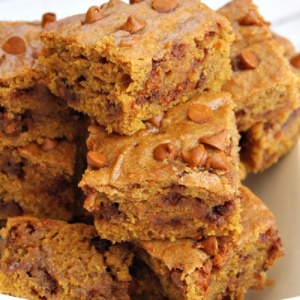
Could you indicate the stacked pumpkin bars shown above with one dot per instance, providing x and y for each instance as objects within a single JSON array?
[{"x": 163, "y": 168}]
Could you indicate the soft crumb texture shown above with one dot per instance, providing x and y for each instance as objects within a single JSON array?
[
  {"x": 262, "y": 79},
  {"x": 175, "y": 180},
  {"x": 28, "y": 110},
  {"x": 122, "y": 79},
  {"x": 39, "y": 133},
  {"x": 37, "y": 181},
  {"x": 266, "y": 142},
  {"x": 36, "y": 113},
  {"x": 218, "y": 268},
  {"x": 46, "y": 259},
  {"x": 19, "y": 71}
]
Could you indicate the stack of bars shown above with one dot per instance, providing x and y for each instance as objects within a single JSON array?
[
  {"x": 38, "y": 132},
  {"x": 182, "y": 103}
]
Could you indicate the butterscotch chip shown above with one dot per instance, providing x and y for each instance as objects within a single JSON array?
[
  {"x": 249, "y": 59},
  {"x": 216, "y": 141},
  {"x": 164, "y": 6},
  {"x": 10, "y": 128},
  {"x": 93, "y": 14},
  {"x": 133, "y": 24},
  {"x": 48, "y": 18},
  {"x": 49, "y": 144},
  {"x": 165, "y": 151},
  {"x": 199, "y": 113},
  {"x": 14, "y": 45},
  {"x": 195, "y": 157},
  {"x": 208, "y": 245},
  {"x": 97, "y": 160},
  {"x": 295, "y": 61},
  {"x": 251, "y": 19},
  {"x": 156, "y": 121},
  {"x": 217, "y": 161},
  {"x": 135, "y": 1}
]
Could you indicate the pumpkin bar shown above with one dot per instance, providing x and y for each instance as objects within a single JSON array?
[
  {"x": 179, "y": 177},
  {"x": 37, "y": 180},
  {"x": 218, "y": 267},
  {"x": 20, "y": 48},
  {"x": 27, "y": 108},
  {"x": 49, "y": 259},
  {"x": 28, "y": 125},
  {"x": 123, "y": 64},
  {"x": 266, "y": 142},
  {"x": 262, "y": 80}
]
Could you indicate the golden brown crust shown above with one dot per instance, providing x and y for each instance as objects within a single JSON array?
[
  {"x": 56, "y": 260},
  {"x": 132, "y": 77},
  {"x": 213, "y": 268},
  {"x": 155, "y": 185},
  {"x": 38, "y": 182},
  {"x": 271, "y": 84}
]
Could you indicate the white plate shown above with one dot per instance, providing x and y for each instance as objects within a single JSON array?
[{"x": 278, "y": 187}]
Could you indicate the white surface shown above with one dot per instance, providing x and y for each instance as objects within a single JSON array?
[{"x": 279, "y": 187}]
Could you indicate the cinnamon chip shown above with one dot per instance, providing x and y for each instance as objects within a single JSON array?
[
  {"x": 208, "y": 245},
  {"x": 165, "y": 151},
  {"x": 156, "y": 121},
  {"x": 199, "y": 113},
  {"x": 135, "y": 1},
  {"x": 48, "y": 18},
  {"x": 49, "y": 144},
  {"x": 249, "y": 60},
  {"x": 133, "y": 24},
  {"x": 216, "y": 141},
  {"x": 164, "y": 6},
  {"x": 217, "y": 161},
  {"x": 251, "y": 19},
  {"x": 97, "y": 160},
  {"x": 295, "y": 61},
  {"x": 93, "y": 14},
  {"x": 195, "y": 157},
  {"x": 14, "y": 45}
]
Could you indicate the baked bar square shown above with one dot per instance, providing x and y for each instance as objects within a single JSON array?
[
  {"x": 262, "y": 79},
  {"x": 49, "y": 259},
  {"x": 38, "y": 180},
  {"x": 176, "y": 178},
  {"x": 218, "y": 267},
  {"x": 266, "y": 142},
  {"x": 122, "y": 75}
]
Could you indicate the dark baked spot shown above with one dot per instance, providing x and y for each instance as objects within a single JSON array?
[
  {"x": 177, "y": 51},
  {"x": 108, "y": 211},
  {"x": 175, "y": 222},
  {"x": 30, "y": 228},
  {"x": 172, "y": 198},
  {"x": 10, "y": 209},
  {"x": 225, "y": 209},
  {"x": 12, "y": 165},
  {"x": 219, "y": 211},
  {"x": 101, "y": 245}
]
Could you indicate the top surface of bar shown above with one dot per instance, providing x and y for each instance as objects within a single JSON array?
[
  {"x": 13, "y": 65},
  {"x": 131, "y": 158},
  {"x": 160, "y": 28}
]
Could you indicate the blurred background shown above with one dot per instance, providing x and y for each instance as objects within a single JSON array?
[{"x": 284, "y": 15}]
